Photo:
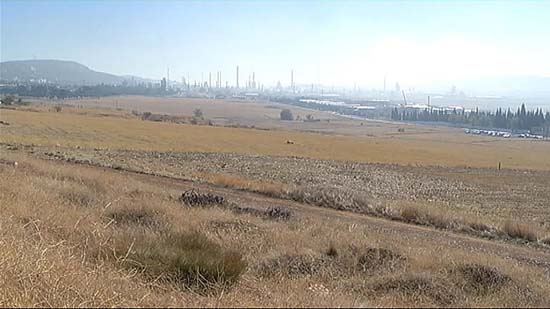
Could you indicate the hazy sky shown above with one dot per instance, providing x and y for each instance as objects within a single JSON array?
[{"x": 334, "y": 42}]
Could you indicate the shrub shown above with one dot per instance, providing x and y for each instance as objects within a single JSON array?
[
  {"x": 332, "y": 198},
  {"x": 57, "y": 108},
  {"x": 195, "y": 198},
  {"x": 197, "y": 113},
  {"x": 421, "y": 216},
  {"x": 520, "y": 231},
  {"x": 482, "y": 279},
  {"x": 419, "y": 286},
  {"x": 410, "y": 214},
  {"x": 136, "y": 216},
  {"x": 292, "y": 266},
  {"x": 8, "y": 100},
  {"x": 332, "y": 251},
  {"x": 278, "y": 213},
  {"x": 81, "y": 196},
  {"x": 377, "y": 258},
  {"x": 189, "y": 258},
  {"x": 286, "y": 114}
]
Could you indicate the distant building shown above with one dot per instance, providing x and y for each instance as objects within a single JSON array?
[{"x": 163, "y": 84}]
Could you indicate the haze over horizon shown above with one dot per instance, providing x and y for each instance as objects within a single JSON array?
[{"x": 418, "y": 44}]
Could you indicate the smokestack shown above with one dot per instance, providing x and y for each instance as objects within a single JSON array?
[
  {"x": 237, "y": 81},
  {"x": 209, "y": 79},
  {"x": 292, "y": 80},
  {"x": 253, "y": 80},
  {"x": 167, "y": 76}
]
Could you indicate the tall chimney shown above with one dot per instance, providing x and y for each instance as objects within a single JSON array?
[
  {"x": 292, "y": 80},
  {"x": 237, "y": 81}
]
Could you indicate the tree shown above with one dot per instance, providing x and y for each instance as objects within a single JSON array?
[
  {"x": 286, "y": 114},
  {"x": 198, "y": 113},
  {"x": 8, "y": 100}
]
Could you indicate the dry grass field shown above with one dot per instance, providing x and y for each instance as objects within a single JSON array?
[
  {"x": 219, "y": 111},
  {"x": 92, "y": 213},
  {"x": 100, "y": 131}
]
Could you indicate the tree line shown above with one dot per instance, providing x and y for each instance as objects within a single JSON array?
[
  {"x": 521, "y": 119},
  {"x": 63, "y": 92}
]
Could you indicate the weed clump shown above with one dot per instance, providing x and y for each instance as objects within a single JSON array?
[
  {"x": 519, "y": 231},
  {"x": 482, "y": 279},
  {"x": 373, "y": 259},
  {"x": 332, "y": 251},
  {"x": 292, "y": 266},
  {"x": 195, "y": 198},
  {"x": 278, "y": 213},
  {"x": 190, "y": 259},
  {"x": 425, "y": 289},
  {"x": 81, "y": 196},
  {"x": 136, "y": 217},
  {"x": 331, "y": 198}
]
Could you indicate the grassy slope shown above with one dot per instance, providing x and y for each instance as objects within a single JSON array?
[{"x": 55, "y": 218}]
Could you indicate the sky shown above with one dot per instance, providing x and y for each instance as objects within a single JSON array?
[{"x": 340, "y": 43}]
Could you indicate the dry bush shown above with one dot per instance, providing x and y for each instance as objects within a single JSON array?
[
  {"x": 331, "y": 198},
  {"x": 78, "y": 195},
  {"x": 292, "y": 266},
  {"x": 376, "y": 259},
  {"x": 186, "y": 258},
  {"x": 195, "y": 198},
  {"x": 478, "y": 226},
  {"x": 272, "y": 213},
  {"x": 278, "y": 213},
  {"x": 239, "y": 226},
  {"x": 423, "y": 289},
  {"x": 269, "y": 188},
  {"x": 519, "y": 231},
  {"x": 332, "y": 251},
  {"x": 410, "y": 214},
  {"x": 481, "y": 279},
  {"x": 430, "y": 217},
  {"x": 137, "y": 216}
]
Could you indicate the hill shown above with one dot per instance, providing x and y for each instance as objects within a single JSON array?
[{"x": 56, "y": 71}]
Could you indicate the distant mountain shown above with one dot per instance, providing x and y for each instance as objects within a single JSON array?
[{"x": 57, "y": 71}]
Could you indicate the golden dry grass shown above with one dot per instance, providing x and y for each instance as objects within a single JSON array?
[
  {"x": 270, "y": 188},
  {"x": 69, "y": 129},
  {"x": 53, "y": 248}
]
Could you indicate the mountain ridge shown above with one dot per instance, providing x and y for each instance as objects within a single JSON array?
[{"x": 64, "y": 72}]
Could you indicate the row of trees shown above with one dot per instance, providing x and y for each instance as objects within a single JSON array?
[
  {"x": 61, "y": 92},
  {"x": 521, "y": 119}
]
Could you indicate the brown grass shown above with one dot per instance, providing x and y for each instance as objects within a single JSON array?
[
  {"x": 92, "y": 131},
  {"x": 520, "y": 231},
  {"x": 269, "y": 188},
  {"x": 189, "y": 260},
  {"x": 135, "y": 244},
  {"x": 428, "y": 216}
]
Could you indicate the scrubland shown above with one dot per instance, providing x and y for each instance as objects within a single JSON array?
[{"x": 85, "y": 236}]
